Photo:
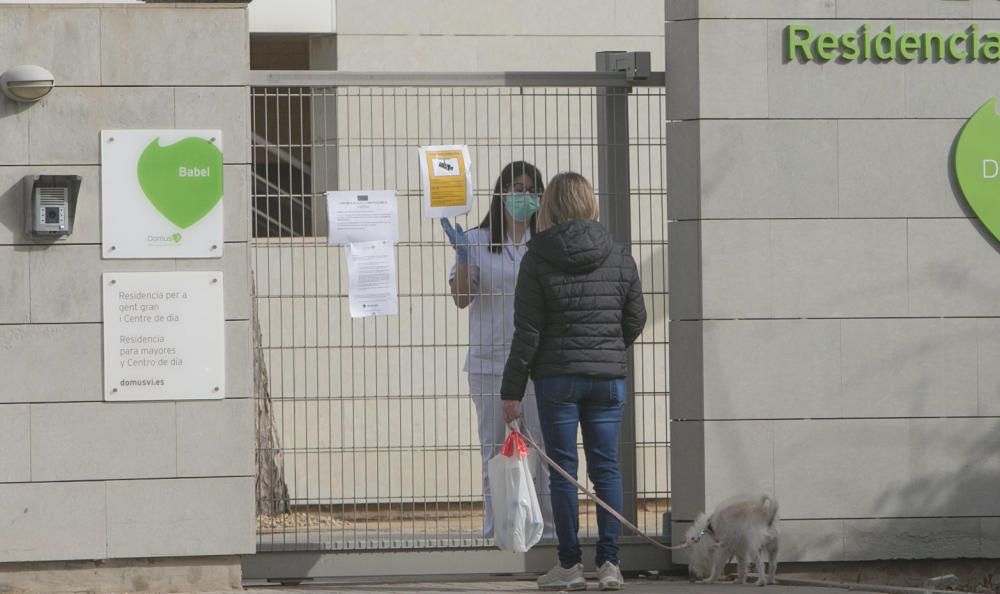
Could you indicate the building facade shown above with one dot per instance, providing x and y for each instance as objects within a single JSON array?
[
  {"x": 833, "y": 321},
  {"x": 833, "y": 297}
]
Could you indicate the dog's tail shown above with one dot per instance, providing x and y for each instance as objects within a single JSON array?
[{"x": 771, "y": 505}]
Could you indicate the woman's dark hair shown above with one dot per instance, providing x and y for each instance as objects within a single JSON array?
[{"x": 494, "y": 218}]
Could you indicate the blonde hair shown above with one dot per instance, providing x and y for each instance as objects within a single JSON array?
[{"x": 568, "y": 197}]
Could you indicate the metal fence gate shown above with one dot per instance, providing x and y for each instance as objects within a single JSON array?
[{"x": 367, "y": 437}]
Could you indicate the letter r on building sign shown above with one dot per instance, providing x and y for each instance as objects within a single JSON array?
[{"x": 991, "y": 169}]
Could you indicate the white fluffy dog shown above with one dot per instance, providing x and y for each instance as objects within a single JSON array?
[{"x": 742, "y": 527}]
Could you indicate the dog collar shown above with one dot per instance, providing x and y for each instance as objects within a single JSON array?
[{"x": 706, "y": 531}]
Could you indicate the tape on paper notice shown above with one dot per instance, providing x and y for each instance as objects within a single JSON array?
[
  {"x": 371, "y": 279},
  {"x": 446, "y": 176}
]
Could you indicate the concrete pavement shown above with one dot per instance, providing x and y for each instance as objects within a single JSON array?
[
  {"x": 632, "y": 586},
  {"x": 528, "y": 586}
]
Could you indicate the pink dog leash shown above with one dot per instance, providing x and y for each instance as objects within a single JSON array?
[{"x": 597, "y": 500}]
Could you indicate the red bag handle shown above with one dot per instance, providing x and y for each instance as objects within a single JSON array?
[{"x": 514, "y": 445}]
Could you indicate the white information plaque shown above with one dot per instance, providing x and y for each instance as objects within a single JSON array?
[
  {"x": 164, "y": 336},
  {"x": 161, "y": 194}
]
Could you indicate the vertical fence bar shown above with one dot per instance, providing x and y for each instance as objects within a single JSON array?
[{"x": 615, "y": 209}]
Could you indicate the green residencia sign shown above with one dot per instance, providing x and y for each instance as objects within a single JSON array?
[
  {"x": 977, "y": 165},
  {"x": 977, "y": 150},
  {"x": 804, "y": 44}
]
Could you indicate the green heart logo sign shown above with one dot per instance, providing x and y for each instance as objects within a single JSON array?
[
  {"x": 182, "y": 180},
  {"x": 977, "y": 165}
]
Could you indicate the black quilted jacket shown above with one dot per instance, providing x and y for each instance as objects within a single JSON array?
[{"x": 577, "y": 306}]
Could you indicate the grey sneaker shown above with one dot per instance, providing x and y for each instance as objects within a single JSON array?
[
  {"x": 609, "y": 577},
  {"x": 560, "y": 578}
]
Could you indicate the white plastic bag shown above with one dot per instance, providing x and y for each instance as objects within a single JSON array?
[{"x": 517, "y": 517}]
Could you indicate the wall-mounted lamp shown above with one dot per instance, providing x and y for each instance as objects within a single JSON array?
[{"x": 26, "y": 83}]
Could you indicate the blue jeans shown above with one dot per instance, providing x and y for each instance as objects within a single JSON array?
[{"x": 596, "y": 404}]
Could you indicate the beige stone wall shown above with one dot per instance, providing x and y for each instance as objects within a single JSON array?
[
  {"x": 449, "y": 35},
  {"x": 82, "y": 478},
  {"x": 834, "y": 309}
]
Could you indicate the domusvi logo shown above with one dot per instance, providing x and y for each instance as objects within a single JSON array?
[
  {"x": 162, "y": 193},
  {"x": 182, "y": 180},
  {"x": 977, "y": 165}
]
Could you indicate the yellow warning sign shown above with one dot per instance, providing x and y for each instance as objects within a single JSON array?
[{"x": 447, "y": 180}]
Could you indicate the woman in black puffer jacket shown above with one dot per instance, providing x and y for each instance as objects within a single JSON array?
[{"x": 577, "y": 307}]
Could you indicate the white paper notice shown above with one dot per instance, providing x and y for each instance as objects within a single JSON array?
[
  {"x": 371, "y": 277},
  {"x": 355, "y": 217}
]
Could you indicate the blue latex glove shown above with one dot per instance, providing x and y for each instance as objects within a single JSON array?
[{"x": 459, "y": 240}]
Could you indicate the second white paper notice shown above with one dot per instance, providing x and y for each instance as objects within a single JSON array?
[{"x": 371, "y": 278}]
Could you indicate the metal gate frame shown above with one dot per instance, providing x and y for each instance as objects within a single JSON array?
[{"x": 617, "y": 74}]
